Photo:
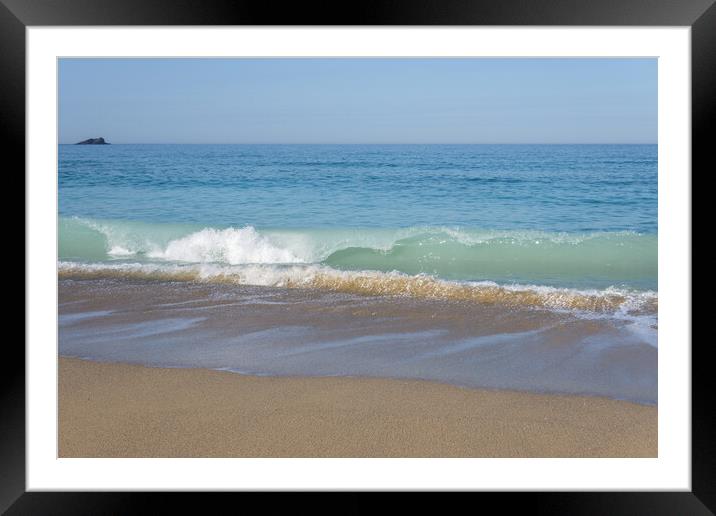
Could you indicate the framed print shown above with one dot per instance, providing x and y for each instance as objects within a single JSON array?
[{"x": 410, "y": 249}]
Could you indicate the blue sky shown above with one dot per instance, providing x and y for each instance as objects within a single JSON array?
[{"x": 366, "y": 100}]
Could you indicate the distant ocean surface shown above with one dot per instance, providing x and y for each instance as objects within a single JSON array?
[{"x": 513, "y": 231}]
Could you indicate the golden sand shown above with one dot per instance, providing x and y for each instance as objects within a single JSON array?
[{"x": 118, "y": 410}]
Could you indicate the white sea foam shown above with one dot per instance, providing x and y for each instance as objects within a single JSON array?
[
  {"x": 118, "y": 250},
  {"x": 623, "y": 303},
  {"x": 232, "y": 246}
]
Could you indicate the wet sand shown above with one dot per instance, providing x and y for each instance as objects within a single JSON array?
[
  {"x": 314, "y": 333},
  {"x": 120, "y": 410}
]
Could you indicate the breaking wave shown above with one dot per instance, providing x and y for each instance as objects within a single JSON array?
[{"x": 594, "y": 260}]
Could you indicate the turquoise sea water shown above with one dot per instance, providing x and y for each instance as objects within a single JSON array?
[{"x": 567, "y": 216}]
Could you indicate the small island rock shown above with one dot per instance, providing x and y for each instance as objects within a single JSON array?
[{"x": 93, "y": 141}]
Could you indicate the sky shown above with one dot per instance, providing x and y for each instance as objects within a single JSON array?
[{"x": 358, "y": 100}]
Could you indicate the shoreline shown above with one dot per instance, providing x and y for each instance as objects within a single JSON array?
[
  {"x": 292, "y": 332},
  {"x": 121, "y": 410}
]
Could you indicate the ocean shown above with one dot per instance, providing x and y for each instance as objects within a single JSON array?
[{"x": 542, "y": 238}]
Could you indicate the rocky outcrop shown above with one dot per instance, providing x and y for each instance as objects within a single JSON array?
[{"x": 93, "y": 141}]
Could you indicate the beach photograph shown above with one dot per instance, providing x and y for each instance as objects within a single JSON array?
[{"x": 357, "y": 257}]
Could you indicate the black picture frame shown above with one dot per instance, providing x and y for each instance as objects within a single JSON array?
[{"x": 16, "y": 15}]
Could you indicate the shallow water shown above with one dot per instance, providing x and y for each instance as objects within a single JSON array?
[{"x": 272, "y": 331}]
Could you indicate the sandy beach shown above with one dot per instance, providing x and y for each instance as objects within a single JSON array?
[{"x": 118, "y": 410}]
